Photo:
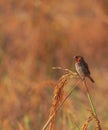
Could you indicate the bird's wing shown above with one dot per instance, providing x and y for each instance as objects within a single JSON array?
[{"x": 86, "y": 66}]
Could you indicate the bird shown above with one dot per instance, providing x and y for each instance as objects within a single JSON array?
[{"x": 82, "y": 68}]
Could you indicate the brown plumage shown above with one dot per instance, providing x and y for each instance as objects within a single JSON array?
[{"x": 82, "y": 68}]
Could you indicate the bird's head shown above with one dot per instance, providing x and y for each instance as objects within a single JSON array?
[{"x": 78, "y": 58}]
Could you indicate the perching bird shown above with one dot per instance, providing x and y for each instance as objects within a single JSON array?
[{"x": 82, "y": 68}]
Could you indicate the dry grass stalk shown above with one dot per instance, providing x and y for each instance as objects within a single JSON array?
[
  {"x": 58, "y": 92},
  {"x": 61, "y": 104},
  {"x": 86, "y": 123},
  {"x": 58, "y": 97},
  {"x": 97, "y": 127},
  {"x": 66, "y": 70}
]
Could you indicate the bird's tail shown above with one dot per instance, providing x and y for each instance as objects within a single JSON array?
[{"x": 91, "y": 79}]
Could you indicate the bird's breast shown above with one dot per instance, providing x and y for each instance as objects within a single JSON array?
[{"x": 80, "y": 69}]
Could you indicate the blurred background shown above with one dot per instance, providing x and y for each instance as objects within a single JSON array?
[{"x": 36, "y": 35}]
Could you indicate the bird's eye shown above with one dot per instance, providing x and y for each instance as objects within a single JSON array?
[{"x": 75, "y": 57}]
